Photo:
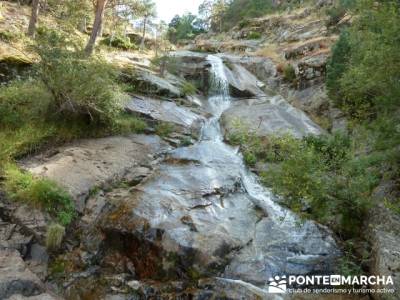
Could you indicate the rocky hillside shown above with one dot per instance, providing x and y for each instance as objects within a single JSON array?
[
  {"x": 289, "y": 51},
  {"x": 169, "y": 198}
]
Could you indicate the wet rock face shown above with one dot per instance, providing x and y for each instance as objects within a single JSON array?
[
  {"x": 268, "y": 115},
  {"x": 185, "y": 210},
  {"x": 195, "y": 218},
  {"x": 95, "y": 162},
  {"x": 241, "y": 81}
]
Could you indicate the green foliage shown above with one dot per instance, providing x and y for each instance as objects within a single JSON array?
[
  {"x": 22, "y": 102},
  {"x": 186, "y": 141},
  {"x": 79, "y": 86},
  {"x": 289, "y": 73},
  {"x": 119, "y": 42},
  {"x": 319, "y": 177},
  {"x": 22, "y": 186},
  {"x": 244, "y": 23},
  {"x": 184, "y": 27},
  {"x": 367, "y": 80},
  {"x": 238, "y": 11},
  {"x": 28, "y": 138},
  {"x": 337, "y": 66},
  {"x": 349, "y": 264},
  {"x": 126, "y": 123},
  {"x": 250, "y": 158},
  {"x": 71, "y": 14},
  {"x": 363, "y": 80},
  {"x": 253, "y": 35},
  {"x": 72, "y": 97},
  {"x": 54, "y": 237},
  {"x": 8, "y": 36},
  {"x": 164, "y": 129},
  {"x": 337, "y": 12},
  {"x": 188, "y": 88}
]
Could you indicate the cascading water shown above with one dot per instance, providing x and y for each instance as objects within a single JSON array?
[
  {"x": 212, "y": 213},
  {"x": 282, "y": 221},
  {"x": 218, "y": 101}
]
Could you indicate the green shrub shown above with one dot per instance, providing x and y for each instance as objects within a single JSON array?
[
  {"x": 84, "y": 88},
  {"x": 321, "y": 178},
  {"x": 289, "y": 73},
  {"x": 188, "y": 89},
  {"x": 119, "y": 42},
  {"x": 253, "y": 35},
  {"x": 250, "y": 158},
  {"x": 22, "y": 102},
  {"x": 363, "y": 73},
  {"x": 7, "y": 36},
  {"x": 126, "y": 123},
  {"x": 44, "y": 193},
  {"x": 186, "y": 141},
  {"x": 244, "y": 23},
  {"x": 337, "y": 12},
  {"x": 318, "y": 177},
  {"x": 54, "y": 236},
  {"x": 24, "y": 140},
  {"x": 80, "y": 86},
  {"x": 337, "y": 65},
  {"x": 164, "y": 129}
]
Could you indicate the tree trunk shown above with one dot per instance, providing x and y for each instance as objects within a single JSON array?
[
  {"x": 98, "y": 20},
  {"x": 34, "y": 17},
  {"x": 144, "y": 33},
  {"x": 100, "y": 33}
]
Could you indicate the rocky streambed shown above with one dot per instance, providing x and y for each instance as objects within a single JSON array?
[{"x": 159, "y": 221}]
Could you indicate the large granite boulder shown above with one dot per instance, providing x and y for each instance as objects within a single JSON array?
[
  {"x": 201, "y": 214},
  {"x": 242, "y": 83},
  {"x": 262, "y": 67},
  {"x": 166, "y": 111},
  {"x": 92, "y": 163},
  {"x": 266, "y": 116}
]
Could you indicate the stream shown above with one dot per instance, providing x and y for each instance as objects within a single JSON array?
[{"x": 203, "y": 213}]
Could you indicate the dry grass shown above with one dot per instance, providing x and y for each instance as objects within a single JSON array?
[{"x": 271, "y": 51}]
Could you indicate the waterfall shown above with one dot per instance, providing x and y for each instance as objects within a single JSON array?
[
  {"x": 218, "y": 81},
  {"x": 280, "y": 240},
  {"x": 219, "y": 99}
]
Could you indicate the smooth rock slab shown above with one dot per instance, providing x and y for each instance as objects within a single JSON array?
[
  {"x": 242, "y": 82},
  {"x": 91, "y": 163},
  {"x": 267, "y": 116},
  {"x": 201, "y": 211},
  {"x": 150, "y": 82},
  {"x": 165, "y": 111}
]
